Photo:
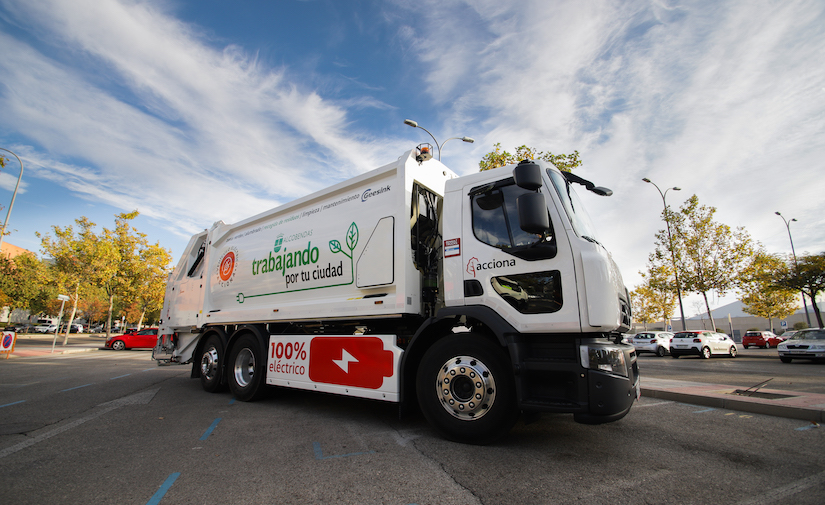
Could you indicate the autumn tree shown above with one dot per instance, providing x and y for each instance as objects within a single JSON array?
[
  {"x": 709, "y": 255},
  {"x": 25, "y": 283},
  {"x": 498, "y": 158},
  {"x": 655, "y": 299},
  {"x": 806, "y": 275},
  {"x": 759, "y": 293},
  {"x": 75, "y": 259}
]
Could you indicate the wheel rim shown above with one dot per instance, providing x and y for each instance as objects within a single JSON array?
[
  {"x": 706, "y": 352},
  {"x": 466, "y": 387},
  {"x": 244, "y": 368},
  {"x": 209, "y": 363},
  {"x": 119, "y": 346}
]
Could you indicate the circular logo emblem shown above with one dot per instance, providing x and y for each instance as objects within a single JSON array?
[
  {"x": 227, "y": 266},
  {"x": 278, "y": 241}
]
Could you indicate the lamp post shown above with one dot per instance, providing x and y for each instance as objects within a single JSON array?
[
  {"x": 412, "y": 123},
  {"x": 796, "y": 266},
  {"x": 63, "y": 299},
  {"x": 672, "y": 252},
  {"x": 13, "y": 196}
]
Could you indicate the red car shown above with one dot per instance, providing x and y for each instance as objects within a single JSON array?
[
  {"x": 146, "y": 337},
  {"x": 764, "y": 339}
]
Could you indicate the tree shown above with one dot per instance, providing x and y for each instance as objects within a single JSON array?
[
  {"x": 76, "y": 261},
  {"x": 25, "y": 283},
  {"x": 709, "y": 255},
  {"x": 759, "y": 293},
  {"x": 656, "y": 297},
  {"x": 807, "y": 275},
  {"x": 498, "y": 158},
  {"x": 151, "y": 280}
]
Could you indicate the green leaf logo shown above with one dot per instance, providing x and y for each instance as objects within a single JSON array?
[
  {"x": 352, "y": 236},
  {"x": 335, "y": 246}
]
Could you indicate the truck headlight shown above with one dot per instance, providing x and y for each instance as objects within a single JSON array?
[{"x": 604, "y": 358}]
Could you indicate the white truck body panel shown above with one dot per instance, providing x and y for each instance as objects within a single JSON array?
[{"x": 337, "y": 253}]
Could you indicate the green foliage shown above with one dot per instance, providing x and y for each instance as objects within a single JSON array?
[
  {"x": 654, "y": 300},
  {"x": 709, "y": 255},
  {"x": 498, "y": 158},
  {"x": 806, "y": 275},
  {"x": 759, "y": 293}
]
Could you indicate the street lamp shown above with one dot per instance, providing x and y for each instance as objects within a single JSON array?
[
  {"x": 796, "y": 266},
  {"x": 13, "y": 196},
  {"x": 672, "y": 253},
  {"x": 412, "y": 123}
]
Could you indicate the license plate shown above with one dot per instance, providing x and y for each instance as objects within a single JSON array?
[{"x": 681, "y": 347}]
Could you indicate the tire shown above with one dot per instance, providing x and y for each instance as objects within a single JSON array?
[
  {"x": 674, "y": 356},
  {"x": 118, "y": 345},
  {"x": 732, "y": 351},
  {"x": 706, "y": 354},
  {"x": 661, "y": 351},
  {"x": 745, "y": 346},
  {"x": 767, "y": 345},
  {"x": 466, "y": 390},
  {"x": 783, "y": 359},
  {"x": 246, "y": 373},
  {"x": 211, "y": 362}
]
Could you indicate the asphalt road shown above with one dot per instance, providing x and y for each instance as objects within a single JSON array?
[
  {"x": 750, "y": 368},
  {"x": 108, "y": 427}
]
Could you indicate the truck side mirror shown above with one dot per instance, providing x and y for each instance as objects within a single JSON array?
[
  {"x": 527, "y": 175},
  {"x": 532, "y": 213}
]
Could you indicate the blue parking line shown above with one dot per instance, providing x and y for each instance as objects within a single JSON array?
[
  {"x": 120, "y": 376},
  {"x": 700, "y": 411},
  {"x": 209, "y": 430},
  {"x": 77, "y": 387},
  {"x": 155, "y": 499},
  {"x": 319, "y": 454},
  {"x": 231, "y": 401},
  {"x": 12, "y": 403},
  {"x": 808, "y": 427}
]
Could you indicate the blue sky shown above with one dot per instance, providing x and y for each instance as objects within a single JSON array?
[{"x": 198, "y": 111}]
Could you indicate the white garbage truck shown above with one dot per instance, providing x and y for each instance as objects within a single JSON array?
[{"x": 480, "y": 298}]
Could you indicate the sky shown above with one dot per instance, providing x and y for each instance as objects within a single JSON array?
[{"x": 197, "y": 111}]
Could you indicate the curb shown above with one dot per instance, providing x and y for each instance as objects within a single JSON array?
[{"x": 722, "y": 399}]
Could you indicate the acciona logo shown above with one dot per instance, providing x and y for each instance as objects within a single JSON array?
[
  {"x": 369, "y": 192},
  {"x": 474, "y": 265}
]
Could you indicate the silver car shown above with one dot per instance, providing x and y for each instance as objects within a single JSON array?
[
  {"x": 804, "y": 344},
  {"x": 656, "y": 342}
]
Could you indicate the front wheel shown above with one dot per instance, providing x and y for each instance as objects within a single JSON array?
[
  {"x": 118, "y": 345},
  {"x": 211, "y": 364},
  {"x": 661, "y": 351},
  {"x": 706, "y": 352},
  {"x": 466, "y": 390},
  {"x": 732, "y": 351},
  {"x": 247, "y": 369},
  {"x": 783, "y": 359}
]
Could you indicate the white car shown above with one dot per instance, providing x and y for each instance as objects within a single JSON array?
[
  {"x": 45, "y": 328},
  {"x": 701, "y": 343},
  {"x": 804, "y": 344},
  {"x": 657, "y": 342}
]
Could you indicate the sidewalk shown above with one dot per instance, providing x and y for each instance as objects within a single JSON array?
[
  {"x": 32, "y": 345},
  {"x": 771, "y": 402}
]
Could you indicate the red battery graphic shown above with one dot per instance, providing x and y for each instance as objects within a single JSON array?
[{"x": 350, "y": 361}]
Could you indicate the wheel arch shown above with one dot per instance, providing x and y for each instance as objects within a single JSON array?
[
  {"x": 258, "y": 330},
  {"x": 196, "y": 356},
  {"x": 482, "y": 320}
]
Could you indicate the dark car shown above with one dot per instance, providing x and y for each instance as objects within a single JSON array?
[{"x": 145, "y": 338}]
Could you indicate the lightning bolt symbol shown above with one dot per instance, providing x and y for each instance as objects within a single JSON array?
[{"x": 346, "y": 359}]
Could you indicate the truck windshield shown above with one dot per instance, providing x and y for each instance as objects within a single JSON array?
[{"x": 581, "y": 222}]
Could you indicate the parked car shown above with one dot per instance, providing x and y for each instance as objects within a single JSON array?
[
  {"x": 805, "y": 344},
  {"x": 45, "y": 328},
  {"x": 76, "y": 328},
  {"x": 766, "y": 339},
  {"x": 656, "y": 342},
  {"x": 701, "y": 343},
  {"x": 20, "y": 328},
  {"x": 146, "y": 337}
]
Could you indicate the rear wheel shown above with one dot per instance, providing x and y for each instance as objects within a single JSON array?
[
  {"x": 211, "y": 364},
  {"x": 706, "y": 352},
  {"x": 783, "y": 359},
  {"x": 466, "y": 390},
  {"x": 247, "y": 369},
  {"x": 674, "y": 356}
]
